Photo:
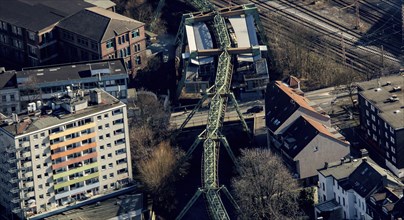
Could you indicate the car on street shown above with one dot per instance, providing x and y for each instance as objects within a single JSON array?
[{"x": 255, "y": 109}]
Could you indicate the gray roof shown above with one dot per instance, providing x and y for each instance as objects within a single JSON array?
[
  {"x": 341, "y": 171},
  {"x": 71, "y": 71},
  {"x": 378, "y": 91},
  {"x": 328, "y": 206},
  {"x": 36, "y": 15},
  {"x": 6, "y": 79},
  {"x": 102, "y": 3},
  {"x": 47, "y": 121},
  {"x": 98, "y": 24}
]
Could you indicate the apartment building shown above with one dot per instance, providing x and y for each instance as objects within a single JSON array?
[
  {"x": 9, "y": 94},
  {"x": 351, "y": 184},
  {"x": 46, "y": 82},
  {"x": 300, "y": 131},
  {"x": 75, "y": 148},
  {"x": 27, "y": 35},
  {"x": 381, "y": 108},
  {"x": 72, "y": 32},
  {"x": 307, "y": 145},
  {"x": 283, "y": 106},
  {"x": 96, "y": 33}
]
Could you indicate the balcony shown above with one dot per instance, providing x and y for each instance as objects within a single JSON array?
[
  {"x": 16, "y": 200},
  {"x": 12, "y": 160},
  {"x": 15, "y": 190},
  {"x": 13, "y": 170},
  {"x": 13, "y": 180},
  {"x": 10, "y": 149},
  {"x": 17, "y": 210},
  {"x": 76, "y": 180},
  {"x": 72, "y": 130},
  {"x": 74, "y": 160}
]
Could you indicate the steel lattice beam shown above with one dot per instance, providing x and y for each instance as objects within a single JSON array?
[{"x": 218, "y": 103}]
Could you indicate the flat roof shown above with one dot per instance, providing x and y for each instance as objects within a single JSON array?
[
  {"x": 378, "y": 92},
  {"x": 72, "y": 71},
  {"x": 44, "y": 121},
  {"x": 199, "y": 38}
]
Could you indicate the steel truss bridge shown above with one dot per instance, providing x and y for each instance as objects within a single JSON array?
[{"x": 219, "y": 94}]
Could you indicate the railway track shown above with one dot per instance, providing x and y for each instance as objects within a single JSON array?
[{"x": 333, "y": 31}]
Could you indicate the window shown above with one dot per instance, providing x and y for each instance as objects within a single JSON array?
[
  {"x": 135, "y": 33},
  {"x": 110, "y": 43},
  {"x": 138, "y": 60},
  {"x": 39, "y": 176},
  {"x": 323, "y": 188},
  {"x": 119, "y": 41},
  {"x": 110, "y": 155},
  {"x": 106, "y": 125},
  {"x": 102, "y": 147},
  {"x": 101, "y": 137},
  {"x": 99, "y": 117},
  {"x": 109, "y": 145},
  {"x": 103, "y": 157},
  {"x": 393, "y": 159},
  {"x": 100, "y": 127},
  {"x": 127, "y": 37},
  {"x": 108, "y": 135},
  {"x": 367, "y": 112},
  {"x": 31, "y": 36},
  {"x": 110, "y": 165},
  {"x": 36, "y": 146},
  {"x": 103, "y": 167},
  {"x": 104, "y": 177},
  {"x": 343, "y": 201},
  {"x": 111, "y": 175},
  {"x": 12, "y": 97},
  {"x": 392, "y": 140},
  {"x": 373, "y": 118},
  {"x": 106, "y": 115}
]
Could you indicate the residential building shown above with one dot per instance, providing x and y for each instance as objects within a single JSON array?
[
  {"x": 95, "y": 33},
  {"x": 27, "y": 35},
  {"x": 72, "y": 32},
  {"x": 283, "y": 106},
  {"x": 45, "y": 82},
  {"x": 381, "y": 111},
  {"x": 387, "y": 203},
  {"x": 73, "y": 148},
  {"x": 307, "y": 145},
  {"x": 9, "y": 95},
  {"x": 351, "y": 183}
]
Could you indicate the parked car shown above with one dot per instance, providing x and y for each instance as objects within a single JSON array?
[{"x": 255, "y": 109}]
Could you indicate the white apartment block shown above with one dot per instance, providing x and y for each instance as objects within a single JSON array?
[
  {"x": 76, "y": 148},
  {"x": 351, "y": 183}
]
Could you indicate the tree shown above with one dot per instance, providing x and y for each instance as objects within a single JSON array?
[
  {"x": 156, "y": 161},
  {"x": 264, "y": 188}
]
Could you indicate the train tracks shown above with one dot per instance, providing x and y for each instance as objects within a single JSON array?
[{"x": 343, "y": 42}]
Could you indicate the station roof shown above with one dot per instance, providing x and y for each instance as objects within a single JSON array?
[{"x": 199, "y": 38}]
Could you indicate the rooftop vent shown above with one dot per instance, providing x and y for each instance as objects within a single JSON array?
[
  {"x": 377, "y": 89},
  {"x": 388, "y": 83},
  {"x": 396, "y": 111},
  {"x": 396, "y": 88},
  {"x": 393, "y": 98}
]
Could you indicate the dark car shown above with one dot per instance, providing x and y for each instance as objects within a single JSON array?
[{"x": 255, "y": 109}]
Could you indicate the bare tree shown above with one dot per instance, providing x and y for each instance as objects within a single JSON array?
[
  {"x": 156, "y": 161},
  {"x": 264, "y": 188},
  {"x": 31, "y": 89}
]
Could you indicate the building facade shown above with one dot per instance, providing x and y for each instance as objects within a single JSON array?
[
  {"x": 114, "y": 36},
  {"x": 381, "y": 111},
  {"x": 60, "y": 34},
  {"x": 351, "y": 183},
  {"x": 9, "y": 94},
  {"x": 25, "y": 41},
  {"x": 46, "y": 82},
  {"x": 75, "y": 148}
]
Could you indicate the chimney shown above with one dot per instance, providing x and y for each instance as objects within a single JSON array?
[
  {"x": 350, "y": 158},
  {"x": 364, "y": 159},
  {"x": 95, "y": 97},
  {"x": 325, "y": 165},
  {"x": 342, "y": 160},
  {"x": 364, "y": 152}
]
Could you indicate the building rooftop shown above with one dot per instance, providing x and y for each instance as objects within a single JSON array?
[
  {"x": 105, "y": 4},
  {"x": 283, "y": 102},
  {"x": 302, "y": 131},
  {"x": 8, "y": 80},
  {"x": 328, "y": 206},
  {"x": 36, "y": 15},
  {"x": 72, "y": 72},
  {"x": 71, "y": 108},
  {"x": 99, "y": 24},
  {"x": 340, "y": 170},
  {"x": 387, "y": 95}
]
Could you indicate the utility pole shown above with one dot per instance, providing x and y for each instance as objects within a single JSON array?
[
  {"x": 343, "y": 49},
  {"x": 357, "y": 14},
  {"x": 382, "y": 59}
]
